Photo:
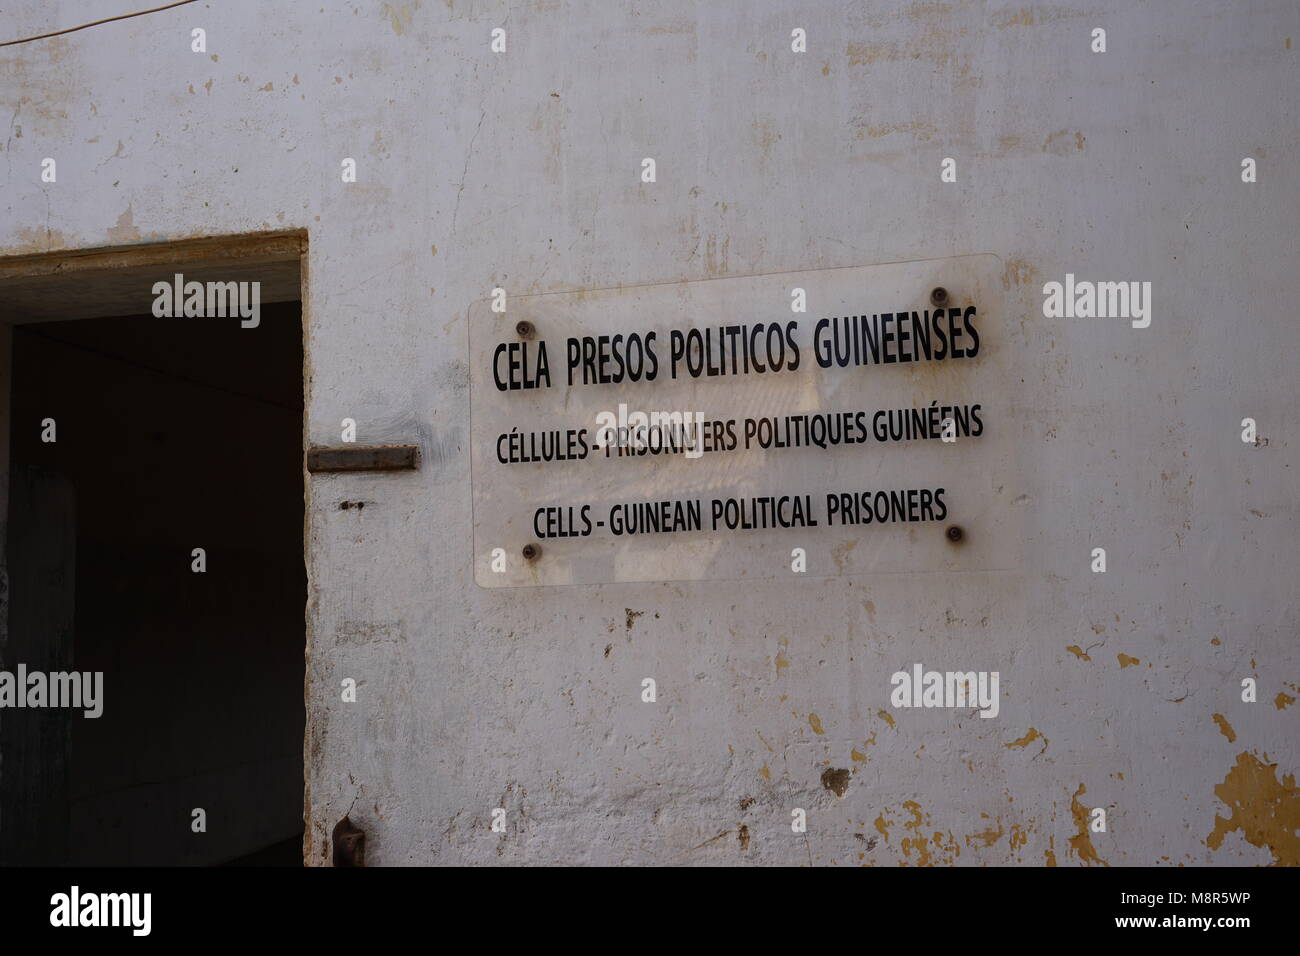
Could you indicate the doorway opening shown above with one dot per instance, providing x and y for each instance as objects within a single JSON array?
[{"x": 155, "y": 537}]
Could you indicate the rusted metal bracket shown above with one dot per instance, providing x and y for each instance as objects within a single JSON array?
[{"x": 363, "y": 458}]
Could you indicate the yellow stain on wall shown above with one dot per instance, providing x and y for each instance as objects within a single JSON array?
[
  {"x": 1264, "y": 809},
  {"x": 1026, "y": 740},
  {"x": 399, "y": 17},
  {"x": 1081, "y": 842},
  {"x": 1019, "y": 836},
  {"x": 1225, "y": 728},
  {"x": 988, "y": 837},
  {"x": 880, "y": 825}
]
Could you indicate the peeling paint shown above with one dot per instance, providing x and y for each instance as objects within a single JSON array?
[
  {"x": 1225, "y": 728},
  {"x": 1019, "y": 836},
  {"x": 125, "y": 230},
  {"x": 1027, "y": 739},
  {"x": 1266, "y": 810},
  {"x": 926, "y": 848},
  {"x": 1081, "y": 842},
  {"x": 987, "y": 837},
  {"x": 836, "y": 780}
]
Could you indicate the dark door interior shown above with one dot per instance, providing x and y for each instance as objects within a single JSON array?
[{"x": 170, "y": 435}]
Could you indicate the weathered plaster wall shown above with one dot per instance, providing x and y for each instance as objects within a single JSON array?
[{"x": 521, "y": 170}]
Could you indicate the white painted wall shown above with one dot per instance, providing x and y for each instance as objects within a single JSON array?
[{"x": 521, "y": 170}]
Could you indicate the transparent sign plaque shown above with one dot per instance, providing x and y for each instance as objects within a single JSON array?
[{"x": 830, "y": 422}]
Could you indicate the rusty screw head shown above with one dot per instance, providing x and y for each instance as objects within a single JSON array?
[
  {"x": 954, "y": 533},
  {"x": 938, "y": 295},
  {"x": 532, "y": 552},
  {"x": 524, "y": 328}
]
